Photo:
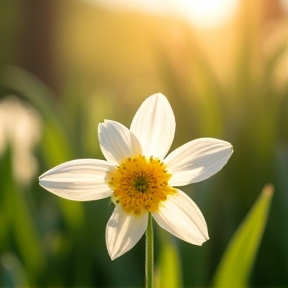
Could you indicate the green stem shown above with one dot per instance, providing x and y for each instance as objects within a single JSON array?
[{"x": 149, "y": 253}]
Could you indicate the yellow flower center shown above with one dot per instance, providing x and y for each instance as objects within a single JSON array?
[{"x": 140, "y": 184}]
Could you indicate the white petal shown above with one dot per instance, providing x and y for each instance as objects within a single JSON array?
[
  {"x": 117, "y": 142},
  {"x": 180, "y": 216},
  {"x": 81, "y": 180},
  {"x": 123, "y": 231},
  {"x": 197, "y": 160},
  {"x": 154, "y": 126}
]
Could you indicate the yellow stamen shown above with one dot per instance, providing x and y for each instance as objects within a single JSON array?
[{"x": 140, "y": 184}]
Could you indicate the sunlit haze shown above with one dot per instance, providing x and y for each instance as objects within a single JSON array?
[{"x": 204, "y": 14}]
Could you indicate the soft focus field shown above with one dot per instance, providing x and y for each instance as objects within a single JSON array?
[{"x": 67, "y": 65}]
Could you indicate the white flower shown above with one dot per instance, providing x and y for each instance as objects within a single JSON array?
[
  {"x": 20, "y": 127},
  {"x": 139, "y": 179}
]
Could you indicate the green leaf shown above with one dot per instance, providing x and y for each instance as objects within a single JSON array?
[
  {"x": 18, "y": 216},
  {"x": 169, "y": 268},
  {"x": 237, "y": 261}
]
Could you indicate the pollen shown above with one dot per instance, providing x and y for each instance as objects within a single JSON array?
[{"x": 140, "y": 184}]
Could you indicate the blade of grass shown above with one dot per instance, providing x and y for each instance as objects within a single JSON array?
[
  {"x": 237, "y": 261},
  {"x": 169, "y": 268},
  {"x": 22, "y": 225}
]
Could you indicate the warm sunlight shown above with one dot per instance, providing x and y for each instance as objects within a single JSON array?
[
  {"x": 203, "y": 14},
  {"x": 206, "y": 13}
]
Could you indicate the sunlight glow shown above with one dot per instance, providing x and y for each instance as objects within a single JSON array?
[
  {"x": 284, "y": 5},
  {"x": 206, "y": 13},
  {"x": 201, "y": 13}
]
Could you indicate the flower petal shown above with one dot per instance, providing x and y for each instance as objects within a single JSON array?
[
  {"x": 154, "y": 126},
  {"x": 117, "y": 142},
  {"x": 197, "y": 160},
  {"x": 81, "y": 180},
  {"x": 180, "y": 216},
  {"x": 123, "y": 231}
]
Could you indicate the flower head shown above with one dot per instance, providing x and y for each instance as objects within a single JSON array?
[{"x": 140, "y": 179}]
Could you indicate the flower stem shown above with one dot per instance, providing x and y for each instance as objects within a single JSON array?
[{"x": 149, "y": 265}]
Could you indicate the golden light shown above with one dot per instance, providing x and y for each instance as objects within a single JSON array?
[{"x": 204, "y": 14}]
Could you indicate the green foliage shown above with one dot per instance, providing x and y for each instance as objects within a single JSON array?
[
  {"x": 20, "y": 229},
  {"x": 168, "y": 271},
  {"x": 237, "y": 262}
]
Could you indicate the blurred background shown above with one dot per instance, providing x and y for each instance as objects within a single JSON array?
[{"x": 65, "y": 65}]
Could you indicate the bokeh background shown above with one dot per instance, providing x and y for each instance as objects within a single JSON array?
[{"x": 65, "y": 65}]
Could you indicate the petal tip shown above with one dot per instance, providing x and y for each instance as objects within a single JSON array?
[
  {"x": 158, "y": 94},
  {"x": 100, "y": 124},
  {"x": 201, "y": 243},
  {"x": 41, "y": 177},
  {"x": 112, "y": 256},
  {"x": 158, "y": 97},
  {"x": 201, "y": 240},
  {"x": 231, "y": 149}
]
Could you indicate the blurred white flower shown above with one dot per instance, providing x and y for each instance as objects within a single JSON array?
[
  {"x": 20, "y": 127},
  {"x": 139, "y": 179}
]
